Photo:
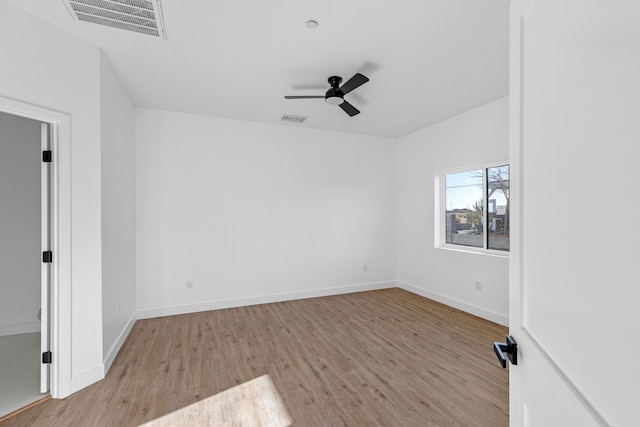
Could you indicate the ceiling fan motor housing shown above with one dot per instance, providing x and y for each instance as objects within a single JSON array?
[{"x": 334, "y": 96}]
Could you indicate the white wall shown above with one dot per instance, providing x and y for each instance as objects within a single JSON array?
[
  {"x": 20, "y": 258},
  {"x": 48, "y": 67},
  {"x": 253, "y": 212},
  {"x": 478, "y": 136},
  {"x": 118, "y": 212}
]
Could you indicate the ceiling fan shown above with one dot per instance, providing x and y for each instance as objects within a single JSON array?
[{"x": 335, "y": 94}]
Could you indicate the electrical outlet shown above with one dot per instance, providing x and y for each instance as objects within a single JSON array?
[
  {"x": 478, "y": 286},
  {"x": 189, "y": 284},
  {"x": 365, "y": 268}
]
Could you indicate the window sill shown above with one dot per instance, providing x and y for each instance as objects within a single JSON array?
[{"x": 472, "y": 250}]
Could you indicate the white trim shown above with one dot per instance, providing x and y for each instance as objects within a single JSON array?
[
  {"x": 86, "y": 378},
  {"x": 147, "y": 313},
  {"x": 471, "y": 167},
  {"x": 439, "y": 227},
  {"x": 19, "y": 328},
  {"x": 473, "y": 250},
  {"x": 455, "y": 303},
  {"x": 115, "y": 348},
  {"x": 60, "y": 235}
]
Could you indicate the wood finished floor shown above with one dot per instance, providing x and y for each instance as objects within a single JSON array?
[{"x": 380, "y": 358}]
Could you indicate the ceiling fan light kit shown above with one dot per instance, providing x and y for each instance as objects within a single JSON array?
[{"x": 335, "y": 94}]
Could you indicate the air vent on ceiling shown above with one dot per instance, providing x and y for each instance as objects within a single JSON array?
[
  {"x": 292, "y": 118},
  {"x": 140, "y": 16}
]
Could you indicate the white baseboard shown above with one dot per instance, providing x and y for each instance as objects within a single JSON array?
[
  {"x": 115, "y": 348},
  {"x": 452, "y": 302},
  {"x": 86, "y": 378},
  {"x": 19, "y": 328},
  {"x": 147, "y": 313}
]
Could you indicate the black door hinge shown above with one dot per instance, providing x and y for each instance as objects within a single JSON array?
[
  {"x": 46, "y": 357},
  {"x": 47, "y": 256},
  {"x": 47, "y": 156}
]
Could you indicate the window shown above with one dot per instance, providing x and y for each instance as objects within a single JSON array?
[{"x": 475, "y": 204}]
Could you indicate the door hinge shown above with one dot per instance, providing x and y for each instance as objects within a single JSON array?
[
  {"x": 47, "y": 156},
  {"x": 47, "y": 256},
  {"x": 46, "y": 357}
]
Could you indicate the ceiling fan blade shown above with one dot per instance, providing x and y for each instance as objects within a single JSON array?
[
  {"x": 349, "y": 109},
  {"x": 353, "y": 82},
  {"x": 304, "y": 97}
]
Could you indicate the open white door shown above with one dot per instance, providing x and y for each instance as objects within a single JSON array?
[
  {"x": 575, "y": 149},
  {"x": 45, "y": 281}
]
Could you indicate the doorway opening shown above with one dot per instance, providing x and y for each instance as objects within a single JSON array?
[
  {"x": 25, "y": 215},
  {"x": 47, "y": 229}
]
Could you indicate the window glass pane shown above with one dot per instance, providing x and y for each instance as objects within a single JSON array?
[
  {"x": 498, "y": 207},
  {"x": 463, "y": 198}
]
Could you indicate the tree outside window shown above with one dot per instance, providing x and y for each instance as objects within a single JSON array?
[{"x": 477, "y": 208}]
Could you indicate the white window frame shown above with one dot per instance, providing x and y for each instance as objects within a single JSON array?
[{"x": 440, "y": 193}]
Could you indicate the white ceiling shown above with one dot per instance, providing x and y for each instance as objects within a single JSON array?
[{"x": 427, "y": 59}]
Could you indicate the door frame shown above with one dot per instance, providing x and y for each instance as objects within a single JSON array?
[{"x": 60, "y": 286}]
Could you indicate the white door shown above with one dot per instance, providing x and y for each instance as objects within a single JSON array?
[
  {"x": 575, "y": 259},
  {"x": 45, "y": 239}
]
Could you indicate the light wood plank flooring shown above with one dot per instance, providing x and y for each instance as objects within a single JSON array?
[{"x": 380, "y": 358}]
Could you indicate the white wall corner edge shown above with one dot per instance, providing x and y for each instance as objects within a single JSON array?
[
  {"x": 492, "y": 316},
  {"x": 86, "y": 378},
  {"x": 115, "y": 348},
  {"x": 148, "y": 313}
]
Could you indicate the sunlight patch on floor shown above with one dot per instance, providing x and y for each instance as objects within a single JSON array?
[{"x": 255, "y": 403}]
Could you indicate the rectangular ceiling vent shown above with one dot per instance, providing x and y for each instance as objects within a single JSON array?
[
  {"x": 292, "y": 118},
  {"x": 140, "y": 16}
]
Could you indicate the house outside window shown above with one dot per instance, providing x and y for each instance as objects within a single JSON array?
[{"x": 474, "y": 209}]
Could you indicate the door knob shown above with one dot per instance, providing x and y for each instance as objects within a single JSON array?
[{"x": 510, "y": 348}]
